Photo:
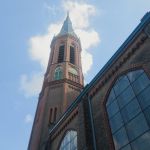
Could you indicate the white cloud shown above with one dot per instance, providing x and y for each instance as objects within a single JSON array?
[
  {"x": 28, "y": 118},
  {"x": 31, "y": 85},
  {"x": 39, "y": 46},
  {"x": 87, "y": 61},
  {"x": 80, "y": 12},
  {"x": 52, "y": 8}
]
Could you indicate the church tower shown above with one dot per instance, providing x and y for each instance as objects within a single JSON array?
[{"x": 62, "y": 83}]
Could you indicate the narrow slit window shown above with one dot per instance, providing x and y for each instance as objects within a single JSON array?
[{"x": 61, "y": 54}]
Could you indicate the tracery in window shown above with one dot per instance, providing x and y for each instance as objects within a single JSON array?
[
  {"x": 69, "y": 142},
  {"x": 128, "y": 108},
  {"x": 58, "y": 74}
]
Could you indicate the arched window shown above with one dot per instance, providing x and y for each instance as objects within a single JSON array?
[
  {"x": 69, "y": 142},
  {"x": 128, "y": 108},
  {"x": 58, "y": 74}
]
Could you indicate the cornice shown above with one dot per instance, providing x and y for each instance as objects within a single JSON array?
[
  {"x": 64, "y": 125},
  {"x": 58, "y": 82},
  {"x": 118, "y": 64}
]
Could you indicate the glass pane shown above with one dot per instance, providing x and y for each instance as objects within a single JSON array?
[
  {"x": 73, "y": 145},
  {"x": 60, "y": 75},
  {"x": 125, "y": 97},
  {"x": 128, "y": 147},
  {"x": 112, "y": 109},
  {"x": 130, "y": 110},
  {"x": 147, "y": 115},
  {"x": 121, "y": 84},
  {"x": 70, "y": 141},
  {"x": 67, "y": 147},
  {"x": 140, "y": 83},
  {"x": 142, "y": 143},
  {"x": 137, "y": 126},
  {"x": 144, "y": 97},
  {"x": 134, "y": 75},
  {"x": 120, "y": 138},
  {"x": 116, "y": 122},
  {"x": 111, "y": 97}
]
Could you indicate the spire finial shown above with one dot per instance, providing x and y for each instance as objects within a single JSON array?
[{"x": 68, "y": 13}]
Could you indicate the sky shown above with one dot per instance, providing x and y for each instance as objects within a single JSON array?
[{"x": 27, "y": 28}]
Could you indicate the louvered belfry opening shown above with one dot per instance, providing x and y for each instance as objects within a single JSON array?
[
  {"x": 72, "y": 55},
  {"x": 61, "y": 54}
]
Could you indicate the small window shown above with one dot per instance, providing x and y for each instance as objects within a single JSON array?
[
  {"x": 61, "y": 54},
  {"x": 58, "y": 74},
  {"x": 72, "y": 55}
]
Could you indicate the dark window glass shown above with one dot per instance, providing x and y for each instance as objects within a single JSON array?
[
  {"x": 120, "y": 138},
  {"x": 122, "y": 83},
  {"x": 72, "y": 55},
  {"x": 147, "y": 114},
  {"x": 61, "y": 54},
  {"x": 130, "y": 110},
  {"x": 134, "y": 75},
  {"x": 112, "y": 109},
  {"x": 144, "y": 97},
  {"x": 116, "y": 122},
  {"x": 128, "y": 147},
  {"x": 137, "y": 127},
  {"x": 125, "y": 97},
  {"x": 140, "y": 83},
  {"x": 142, "y": 143},
  {"x": 111, "y": 97}
]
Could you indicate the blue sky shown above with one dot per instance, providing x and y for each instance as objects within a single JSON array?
[{"x": 26, "y": 31}]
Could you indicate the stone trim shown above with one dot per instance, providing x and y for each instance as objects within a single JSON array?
[{"x": 56, "y": 82}]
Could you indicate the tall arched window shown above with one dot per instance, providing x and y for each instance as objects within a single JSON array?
[
  {"x": 69, "y": 142},
  {"x": 128, "y": 108},
  {"x": 58, "y": 74}
]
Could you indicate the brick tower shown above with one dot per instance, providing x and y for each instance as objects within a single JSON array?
[{"x": 63, "y": 82}]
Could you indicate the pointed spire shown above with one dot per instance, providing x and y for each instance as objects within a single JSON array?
[
  {"x": 68, "y": 13},
  {"x": 67, "y": 27}
]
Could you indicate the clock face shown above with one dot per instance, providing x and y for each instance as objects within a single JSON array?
[{"x": 73, "y": 71}]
